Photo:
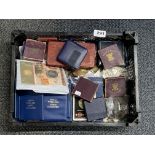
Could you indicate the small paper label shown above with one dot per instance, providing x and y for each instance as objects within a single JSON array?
[
  {"x": 78, "y": 93},
  {"x": 100, "y": 33}
]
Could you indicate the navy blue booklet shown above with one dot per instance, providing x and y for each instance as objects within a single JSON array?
[
  {"x": 30, "y": 106},
  {"x": 55, "y": 108},
  {"x": 96, "y": 110},
  {"x": 99, "y": 81}
]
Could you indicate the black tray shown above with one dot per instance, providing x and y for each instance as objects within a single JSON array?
[{"x": 130, "y": 40}]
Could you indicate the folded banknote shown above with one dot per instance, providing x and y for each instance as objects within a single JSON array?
[{"x": 40, "y": 78}]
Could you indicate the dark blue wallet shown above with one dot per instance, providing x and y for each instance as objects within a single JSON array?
[
  {"x": 72, "y": 54},
  {"x": 55, "y": 107},
  {"x": 30, "y": 106},
  {"x": 95, "y": 110}
]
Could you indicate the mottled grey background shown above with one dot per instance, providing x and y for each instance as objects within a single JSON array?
[{"x": 146, "y": 66}]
